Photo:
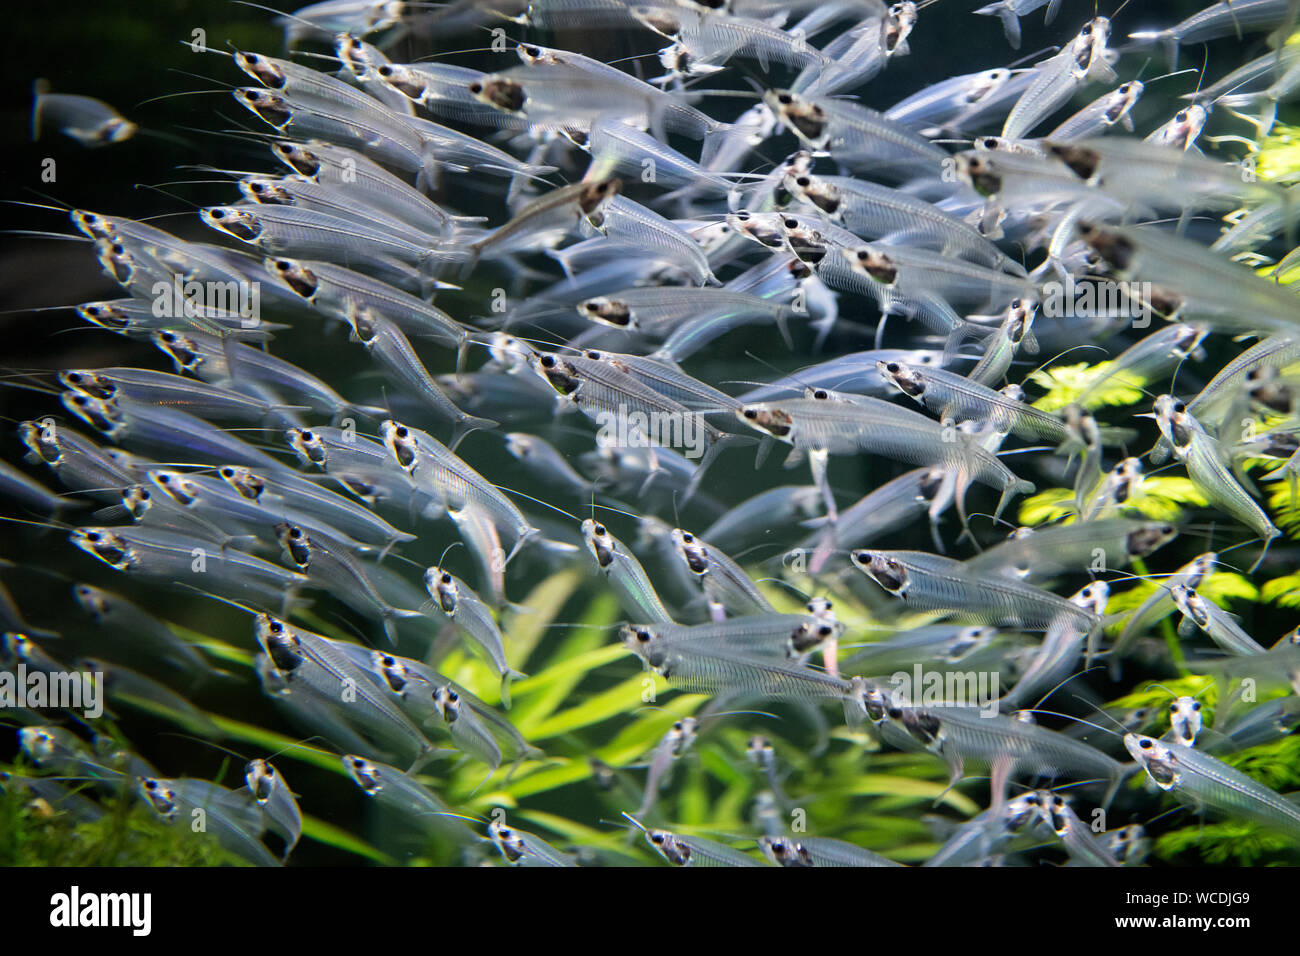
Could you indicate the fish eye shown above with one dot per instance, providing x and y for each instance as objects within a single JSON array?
[
  {"x": 1145, "y": 745},
  {"x": 446, "y": 578},
  {"x": 476, "y": 87},
  {"x": 790, "y": 223},
  {"x": 308, "y": 436},
  {"x": 93, "y": 536},
  {"x": 1179, "y": 407},
  {"x": 688, "y": 537},
  {"x": 600, "y": 530},
  {"x": 785, "y": 99},
  {"x": 750, "y": 414},
  {"x": 1173, "y": 708},
  {"x": 548, "y": 361},
  {"x": 863, "y": 255},
  {"x": 1196, "y": 706},
  {"x": 821, "y": 394},
  {"x": 1181, "y": 116},
  {"x": 217, "y": 214},
  {"x": 401, "y": 431},
  {"x": 892, "y": 368}
]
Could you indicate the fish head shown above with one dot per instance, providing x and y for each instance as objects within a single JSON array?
[
  {"x": 500, "y": 93},
  {"x": 159, "y": 796},
  {"x": 243, "y": 480},
  {"x": 401, "y": 443},
  {"x": 279, "y": 641},
  {"x": 873, "y": 263},
  {"x": 774, "y": 421},
  {"x": 640, "y": 639},
  {"x": 261, "y": 779},
  {"x": 811, "y": 634},
  {"x": 556, "y": 372},
  {"x": 692, "y": 551},
  {"x": 1020, "y": 810},
  {"x": 364, "y": 773},
  {"x": 1109, "y": 243},
  {"x": 102, "y": 543},
  {"x": 137, "y": 501},
  {"x": 92, "y": 224},
  {"x": 37, "y": 742},
  {"x": 92, "y": 600},
  {"x": 174, "y": 485},
  {"x": 595, "y": 195},
  {"x": 1020, "y": 319},
  {"x": 784, "y": 851},
  {"x": 599, "y": 542},
  {"x": 88, "y": 383},
  {"x": 179, "y": 348},
  {"x": 1144, "y": 540},
  {"x": 259, "y": 189},
  {"x": 1055, "y": 811},
  {"x": 406, "y": 81},
  {"x": 898, "y": 24},
  {"x": 979, "y": 172},
  {"x": 442, "y": 587},
  {"x": 233, "y": 221},
  {"x": 1092, "y": 597},
  {"x": 394, "y": 671},
  {"x": 1122, "y": 100},
  {"x": 888, "y": 572},
  {"x": 1186, "y": 719},
  {"x": 608, "y": 311},
  {"x": 509, "y": 842},
  {"x": 447, "y": 702},
  {"x": 1080, "y": 160},
  {"x": 762, "y": 228},
  {"x": 268, "y": 106},
  {"x": 805, "y": 118},
  {"x": 969, "y": 639},
  {"x": 295, "y": 543},
  {"x": 661, "y": 20},
  {"x": 101, "y": 414},
  {"x": 261, "y": 68},
  {"x": 672, "y": 849},
  {"x": 294, "y": 276},
  {"x": 297, "y": 157},
  {"x": 105, "y": 315},
  {"x": 1156, "y": 758},
  {"x": 908, "y": 380}
]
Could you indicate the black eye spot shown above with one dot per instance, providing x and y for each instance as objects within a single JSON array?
[
  {"x": 821, "y": 394},
  {"x": 600, "y": 530},
  {"x": 1196, "y": 706},
  {"x": 785, "y": 99},
  {"x": 402, "y": 431},
  {"x": 548, "y": 361},
  {"x": 308, "y": 436},
  {"x": 218, "y": 214},
  {"x": 1145, "y": 745},
  {"x": 750, "y": 414}
]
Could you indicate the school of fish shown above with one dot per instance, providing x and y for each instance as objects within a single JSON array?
[{"x": 534, "y": 274}]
